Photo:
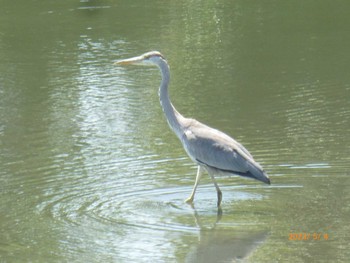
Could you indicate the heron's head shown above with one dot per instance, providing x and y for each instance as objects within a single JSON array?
[{"x": 153, "y": 57}]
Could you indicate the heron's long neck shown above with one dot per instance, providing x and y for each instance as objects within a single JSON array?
[{"x": 172, "y": 115}]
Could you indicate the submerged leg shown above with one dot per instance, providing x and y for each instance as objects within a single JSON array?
[
  {"x": 218, "y": 191},
  {"x": 199, "y": 174}
]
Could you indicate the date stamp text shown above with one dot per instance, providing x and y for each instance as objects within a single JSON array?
[{"x": 308, "y": 236}]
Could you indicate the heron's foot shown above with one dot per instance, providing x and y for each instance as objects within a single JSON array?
[
  {"x": 219, "y": 215},
  {"x": 189, "y": 200},
  {"x": 219, "y": 197}
]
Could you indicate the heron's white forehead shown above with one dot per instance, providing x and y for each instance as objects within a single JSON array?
[{"x": 151, "y": 54}]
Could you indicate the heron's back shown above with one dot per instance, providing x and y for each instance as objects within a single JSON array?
[{"x": 217, "y": 150}]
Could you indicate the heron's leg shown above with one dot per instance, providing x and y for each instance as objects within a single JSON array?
[
  {"x": 217, "y": 189},
  {"x": 199, "y": 175}
]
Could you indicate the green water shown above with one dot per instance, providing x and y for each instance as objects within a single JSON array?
[{"x": 90, "y": 171}]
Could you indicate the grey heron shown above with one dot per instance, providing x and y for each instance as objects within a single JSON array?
[{"x": 212, "y": 150}]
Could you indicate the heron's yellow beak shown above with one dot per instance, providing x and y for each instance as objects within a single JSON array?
[{"x": 130, "y": 61}]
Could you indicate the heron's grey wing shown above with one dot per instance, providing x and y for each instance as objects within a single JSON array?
[{"x": 218, "y": 150}]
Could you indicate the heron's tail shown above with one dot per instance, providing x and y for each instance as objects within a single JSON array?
[{"x": 257, "y": 173}]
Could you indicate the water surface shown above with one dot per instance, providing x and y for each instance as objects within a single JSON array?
[{"x": 90, "y": 170}]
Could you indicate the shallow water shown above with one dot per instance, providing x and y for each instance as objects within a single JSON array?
[{"x": 91, "y": 172}]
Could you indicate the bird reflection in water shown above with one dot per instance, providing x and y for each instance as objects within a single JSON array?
[{"x": 220, "y": 243}]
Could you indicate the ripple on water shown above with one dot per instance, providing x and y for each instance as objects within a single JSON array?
[{"x": 160, "y": 209}]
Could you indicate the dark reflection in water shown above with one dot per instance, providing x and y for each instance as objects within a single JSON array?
[
  {"x": 218, "y": 243},
  {"x": 225, "y": 246}
]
